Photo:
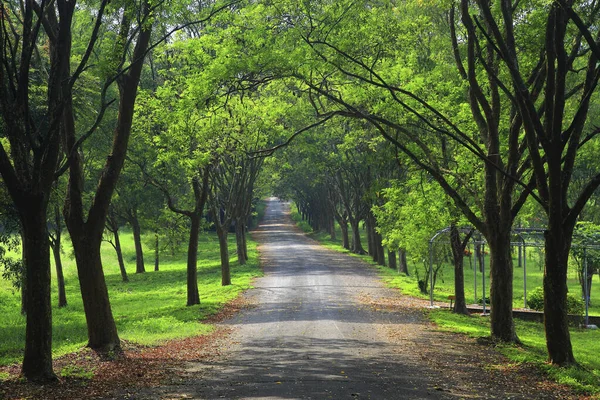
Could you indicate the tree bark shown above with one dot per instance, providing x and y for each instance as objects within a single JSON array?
[
  {"x": 102, "y": 331},
  {"x": 60, "y": 278},
  {"x": 356, "y": 243},
  {"x": 224, "y": 251},
  {"x": 137, "y": 239},
  {"x": 193, "y": 297},
  {"x": 156, "y": 252},
  {"x": 377, "y": 242},
  {"x": 392, "y": 259},
  {"x": 501, "y": 286},
  {"x": 403, "y": 264},
  {"x": 119, "y": 252},
  {"x": 458, "y": 249},
  {"x": 37, "y": 360},
  {"x": 55, "y": 243},
  {"x": 240, "y": 241},
  {"x": 558, "y": 338}
]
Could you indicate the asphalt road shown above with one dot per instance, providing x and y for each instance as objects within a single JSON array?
[{"x": 310, "y": 335}]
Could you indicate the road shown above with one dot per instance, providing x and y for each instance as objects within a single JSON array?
[
  {"x": 310, "y": 335},
  {"x": 320, "y": 329}
]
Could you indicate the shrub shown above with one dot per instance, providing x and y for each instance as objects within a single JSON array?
[{"x": 535, "y": 301}]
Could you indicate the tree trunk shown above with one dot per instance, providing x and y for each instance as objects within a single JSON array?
[
  {"x": 37, "y": 360},
  {"x": 60, "y": 278},
  {"x": 119, "y": 252},
  {"x": 403, "y": 264},
  {"x": 501, "y": 286},
  {"x": 558, "y": 339},
  {"x": 371, "y": 246},
  {"x": 377, "y": 242},
  {"x": 345, "y": 236},
  {"x": 458, "y": 252},
  {"x": 137, "y": 239},
  {"x": 392, "y": 259},
  {"x": 55, "y": 243},
  {"x": 224, "y": 250},
  {"x": 23, "y": 280},
  {"x": 239, "y": 241},
  {"x": 332, "y": 233},
  {"x": 356, "y": 244},
  {"x": 102, "y": 331},
  {"x": 193, "y": 297},
  {"x": 156, "y": 252}
]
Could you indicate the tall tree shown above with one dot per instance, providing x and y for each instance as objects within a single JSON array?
[
  {"x": 29, "y": 158},
  {"x": 556, "y": 127}
]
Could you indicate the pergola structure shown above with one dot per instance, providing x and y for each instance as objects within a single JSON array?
[{"x": 524, "y": 238}]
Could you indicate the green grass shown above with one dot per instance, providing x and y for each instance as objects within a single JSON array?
[
  {"x": 586, "y": 346},
  {"x": 149, "y": 309}
]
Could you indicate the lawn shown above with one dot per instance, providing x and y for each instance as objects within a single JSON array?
[
  {"x": 148, "y": 309},
  {"x": 586, "y": 343}
]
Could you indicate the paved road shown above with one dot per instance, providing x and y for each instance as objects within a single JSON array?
[{"x": 310, "y": 335}]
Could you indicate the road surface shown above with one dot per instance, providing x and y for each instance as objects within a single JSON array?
[{"x": 320, "y": 330}]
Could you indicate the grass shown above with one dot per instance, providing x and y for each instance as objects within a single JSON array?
[
  {"x": 149, "y": 309},
  {"x": 586, "y": 346},
  {"x": 585, "y": 378}
]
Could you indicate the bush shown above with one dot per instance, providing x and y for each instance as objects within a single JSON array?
[{"x": 535, "y": 301}]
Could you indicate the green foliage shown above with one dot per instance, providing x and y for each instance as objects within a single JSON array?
[
  {"x": 535, "y": 298},
  {"x": 535, "y": 301}
]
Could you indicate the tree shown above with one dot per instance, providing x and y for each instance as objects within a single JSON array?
[
  {"x": 113, "y": 226},
  {"x": 86, "y": 228},
  {"x": 29, "y": 156},
  {"x": 556, "y": 126}
]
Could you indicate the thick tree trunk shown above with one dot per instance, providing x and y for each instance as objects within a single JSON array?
[
  {"x": 501, "y": 286},
  {"x": 403, "y": 264},
  {"x": 224, "y": 251},
  {"x": 37, "y": 360},
  {"x": 60, "y": 278},
  {"x": 392, "y": 259},
  {"x": 558, "y": 339},
  {"x": 102, "y": 331},
  {"x": 193, "y": 297},
  {"x": 356, "y": 244},
  {"x": 345, "y": 236},
  {"x": 119, "y": 252},
  {"x": 137, "y": 239}
]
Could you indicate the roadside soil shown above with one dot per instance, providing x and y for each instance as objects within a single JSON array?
[{"x": 318, "y": 325}]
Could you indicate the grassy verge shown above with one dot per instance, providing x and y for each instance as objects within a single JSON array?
[
  {"x": 586, "y": 346},
  {"x": 148, "y": 309}
]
